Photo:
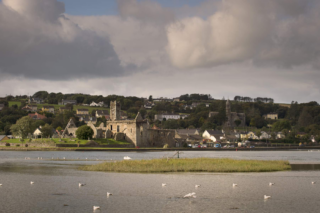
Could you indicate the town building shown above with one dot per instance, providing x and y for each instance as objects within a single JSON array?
[
  {"x": 272, "y": 116},
  {"x": 100, "y": 104},
  {"x": 231, "y": 117},
  {"x": 63, "y": 109},
  {"x": 169, "y": 116},
  {"x": 82, "y": 112},
  {"x": 37, "y": 116},
  {"x": 35, "y": 100},
  {"x": 30, "y": 108},
  {"x": 213, "y": 135},
  {"x": 101, "y": 113},
  {"x": 49, "y": 109},
  {"x": 65, "y": 102}
]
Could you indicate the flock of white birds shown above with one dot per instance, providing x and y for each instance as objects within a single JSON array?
[{"x": 189, "y": 195}]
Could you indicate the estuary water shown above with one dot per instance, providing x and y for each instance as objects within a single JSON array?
[{"x": 56, "y": 188}]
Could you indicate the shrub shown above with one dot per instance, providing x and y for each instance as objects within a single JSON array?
[
  {"x": 7, "y": 144},
  {"x": 84, "y": 132},
  {"x": 26, "y": 145},
  {"x": 17, "y": 144}
]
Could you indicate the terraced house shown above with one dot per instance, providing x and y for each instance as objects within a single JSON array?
[{"x": 49, "y": 109}]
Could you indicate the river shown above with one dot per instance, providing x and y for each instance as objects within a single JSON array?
[{"x": 56, "y": 188}]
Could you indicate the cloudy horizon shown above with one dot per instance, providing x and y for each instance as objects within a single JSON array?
[{"x": 252, "y": 48}]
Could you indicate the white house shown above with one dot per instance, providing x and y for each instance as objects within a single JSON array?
[
  {"x": 37, "y": 132},
  {"x": 214, "y": 135},
  {"x": 252, "y": 135},
  {"x": 169, "y": 116},
  {"x": 264, "y": 135},
  {"x": 280, "y": 135},
  {"x": 100, "y": 104}
]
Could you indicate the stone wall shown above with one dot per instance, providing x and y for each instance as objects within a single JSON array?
[{"x": 160, "y": 137}]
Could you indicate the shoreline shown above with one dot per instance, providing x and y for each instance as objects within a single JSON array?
[{"x": 161, "y": 149}]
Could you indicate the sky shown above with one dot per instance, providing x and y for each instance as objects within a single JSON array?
[{"x": 163, "y": 48}]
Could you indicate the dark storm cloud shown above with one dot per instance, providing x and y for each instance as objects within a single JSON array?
[{"x": 37, "y": 41}]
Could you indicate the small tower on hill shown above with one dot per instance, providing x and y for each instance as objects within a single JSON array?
[{"x": 115, "y": 110}]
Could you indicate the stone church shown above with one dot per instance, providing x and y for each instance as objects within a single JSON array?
[
  {"x": 231, "y": 117},
  {"x": 136, "y": 131}
]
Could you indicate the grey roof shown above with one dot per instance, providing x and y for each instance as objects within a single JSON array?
[
  {"x": 215, "y": 132},
  {"x": 2, "y": 136},
  {"x": 186, "y": 131},
  {"x": 192, "y": 137},
  {"x": 103, "y": 112}
]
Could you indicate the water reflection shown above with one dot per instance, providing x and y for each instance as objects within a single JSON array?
[{"x": 305, "y": 167}]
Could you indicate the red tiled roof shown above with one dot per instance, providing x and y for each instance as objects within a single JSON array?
[{"x": 37, "y": 116}]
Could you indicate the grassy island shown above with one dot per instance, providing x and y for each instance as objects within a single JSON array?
[{"x": 189, "y": 165}]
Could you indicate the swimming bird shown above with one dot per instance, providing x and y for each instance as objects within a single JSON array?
[
  {"x": 126, "y": 158},
  {"x": 82, "y": 184},
  {"x": 270, "y": 184},
  {"x": 192, "y": 194},
  {"x": 313, "y": 182},
  {"x": 234, "y": 184},
  {"x": 0, "y": 184},
  {"x": 197, "y": 186},
  {"x": 31, "y": 182},
  {"x": 38, "y": 158},
  {"x": 96, "y": 207},
  {"x": 266, "y": 197},
  {"x": 164, "y": 184},
  {"x": 108, "y": 194}
]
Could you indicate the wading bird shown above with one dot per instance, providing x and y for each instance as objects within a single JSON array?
[
  {"x": 193, "y": 194},
  {"x": 266, "y": 197}
]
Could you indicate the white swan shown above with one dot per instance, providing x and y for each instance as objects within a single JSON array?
[
  {"x": 96, "y": 207},
  {"x": 271, "y": 184},
  {"x": 31, "y": 182},
  {"x": 164, "y": 184},
  {"x": 197, "y": 186},
  {"x": 266, "y": 197},
  {"x": 313, "y": 182},
  {"x": 126, "y": 158},
  {"x": 108, "y": 194},
  {"x": 234, "y": 184},
  {"x": 82, "y": 184},
  {"x": 192, "y": 194}
]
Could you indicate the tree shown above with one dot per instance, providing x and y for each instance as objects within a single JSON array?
[
  {"x": 23, "y": 127},
  {"x": 280, "y": 125},
  {"x": 258, "y": 133},
  {"x": 46, "y": 131},
  {"x": 150, "y": 98},
  {"x": 285, "y": 132},
  {"x": 84, "y": 132},
  {"x": 305, "y": 119},
  {"x": 143, "y": 112},
  {"x": 59, "y": 128}
]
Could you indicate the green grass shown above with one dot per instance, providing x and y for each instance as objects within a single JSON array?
[
  {"x": 18, "y": 103},
  {"x": 189, "y": 165},
  {"x": 69, "y": 141},
  {"x": 75, "y": 107}
]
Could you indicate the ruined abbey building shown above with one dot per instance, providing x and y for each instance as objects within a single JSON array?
[
  {"x": 136, "y": 131},
  {"x": 231, "y": 117}
]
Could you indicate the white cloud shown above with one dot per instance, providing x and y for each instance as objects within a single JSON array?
[
  {"x": 38, "y": 41},
  {"x": 279, "y": 33}
]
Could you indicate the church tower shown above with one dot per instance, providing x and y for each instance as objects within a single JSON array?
[
  {"x": 228, "y": 114},
  {"x": 115, "y": 110}
]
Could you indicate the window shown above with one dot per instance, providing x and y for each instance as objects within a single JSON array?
[
  {"x": 118, "y": 128},
  {"x": 111, "y": 127}
]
